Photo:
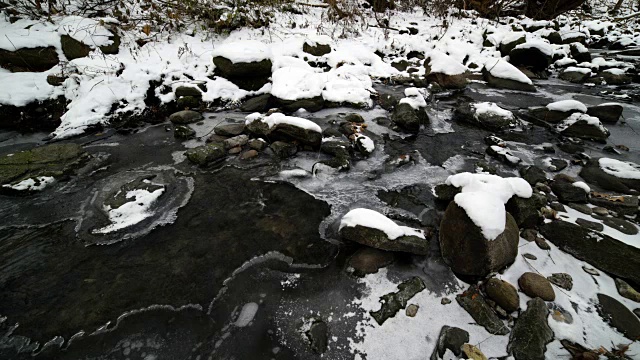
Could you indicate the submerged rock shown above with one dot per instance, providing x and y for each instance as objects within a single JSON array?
[
  {"x": 392, "y": 303},
  {"x": 318, "y": 336},
  {"x": 531, "y": 332},
  {"x": 474, "y": 303},
  {"x": 184, "y": 132},
  {"x": 185, "y": 117},
  {"x": 369, "y": 260},
  {"x": 229, "y": 129}
]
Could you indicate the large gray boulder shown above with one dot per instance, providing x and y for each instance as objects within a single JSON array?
[{"x": 608, "y": 113}]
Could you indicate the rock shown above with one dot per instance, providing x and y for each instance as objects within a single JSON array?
[
  {"x": 533, "y": 57},
  {"x": 503, "y": 293},
  {"x": 445, "y": 192},
  {"x": 55, "y": 80},
  {"x": 494, "y": 119},
  {"x": 583, "y": 208},
  {"x": 526, "y": 212},
  {"x": 580, "y": 53},
  {"x": 465, "y": 248},
  {"x": 283, "y": 149},
  {"x": 529, "y": 234},
  {"x": 234, "y": 150},
  {"x": 536, "y": 285},
  {"x": 496, "y": 79},
  {"x": 504, "y": 155},
  {"x": 316, "y": 49},
  {"x": 185, "y": 117},
  {"x": 621, "y": 204},
  {"x": 409, "y": 118},
  {"x": 400, "y": 65},
  {"x": 472, "y": 353},
  {"x": 621, "y": 225},
  {"x": 452, "y": 339},
  {"x": 249, "y": 154},
  {"x": 378, "y": 239},
  {"x": 590, "y": 271},
  {"x": 598, "y": 250},
  {"x": 533, "y": 174},
  {"x": 412, "y": 310},
  {"x": 29, "y": 59},
  {"x": 37, "y": 116},
  {"x": 54, "y": 160},
  {"x": 594, "y": 174},
  {"x": 625, "y": 290},
  {"x": 566, "y": 192},
  {"x": 257, "y": 144},
  {"x": 562, "y": 280},
  {"x": 72, "y": 48},
  {"x": 542, "y": 243},
  {"x": 206, "y": 154},
  {"x": 574, "y": 75},
  {"x": 511, "y": 41},
  {"x": 286, "y": 132},
  {"x": 183, "y": 132},
  {"x": 474, "y": 303},
  {"x": 247, "y": 75},
  {"x": 313, "y": 104},
  {"x": 615, "y": 77},
  {"x": 600, "y": 211},
  {"x": 557, "y": 164},
  {"x": 258, "y": 103},
  {"x": 369, "y": 260},
  {"x": 607, "y": 113},
  {"x": 318, "y": 336},
  {"x": 229, "y": 130},
  {"x": 188, "y": 102},
  {"x": 236, "y": 141},
  {"x": 589, "y": 224},
  {"x": 394, "y": 302},
  {"x": 531, "y": 332},
  {"x": 187, "y": 91},
  {"x": 530, "y": 256},
  {"x": 114, "y": 47},
  {"x": 557, "y": 207},
  {"x": 445, "y": 301},
  {"x": 584, "y": 127},
  {"x": 619, "y": 317}
]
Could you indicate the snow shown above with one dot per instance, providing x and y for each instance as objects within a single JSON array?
[
  {"x": 620, "y": 169},
  {"x": 31, "y": 184},
  {"x": 565, "y": 61},
  {"x": 491, "y": 108},
  {"x": 539, "y": 44},
  {"x": 415, "y": 97},
  {"x": 366, "y": 142},
  {"x": 132, "y": 212},
  {"x": 506, "y": 153},
  {"x": 279, "y": 118},
  {"x": 567, "y": 105},
  {"x": 349, "y": 84},
  {"x": 442, "y": 63},
  {"x": 373, "y": 219},
  {"x": 580, "y": 48},
  {"x": 575, "y": 117},
  {"x": 615, "y": 71},
  {"x": 294, "y": 83},
  {"x": 489, "y": 193},
  {"x": 501, "y": 69},
  {"x": 247, "y": 314},
  {"x": 578, "y": 70},
  {"x": 26, "y": 87},
  {"x": 582, "y": 185},
  {"x": 243, "y": 51}
]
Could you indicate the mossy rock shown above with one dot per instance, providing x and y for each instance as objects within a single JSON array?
[
  {"x": 48, "y": 160},
  {"x": 206, "y": 154}
]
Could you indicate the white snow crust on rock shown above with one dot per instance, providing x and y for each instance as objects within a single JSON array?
[
  {"x": 620, "y": 169},
  {"x": 442, "y": 63},
  {"x": 491, "y": 108},
  {"x": 575, "y": 117},
  {"x": 506, "y": 153},
  {"x": 375, "y": 220},
  {"x": 582, "y": 185},
  {"x": 502, "y": 69},
  {"x": 578, "y": 70},
  {"x": 539, "y": 44},
  {"x": 31, "y": 184},
  {"x": 366, "y": 142},
  {"x": 132, "y": 212},
  {"x": 483, "y": 197},
  {"x": 414, "y": 97},
  {"x": 567, "y": 105},
  {"x": 243, "y": 51},
  {"x": 279, "y": 118}
]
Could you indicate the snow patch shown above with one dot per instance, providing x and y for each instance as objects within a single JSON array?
[{"x": 375, "y": 220}]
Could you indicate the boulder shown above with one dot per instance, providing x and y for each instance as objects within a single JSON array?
[
  {"x": 615, "y": 77},
  {"x": 378, "y": 239},
  {"x": 504, "y": 155},
  {"x": 409, "y": 118},
  {"x": 503, "y": 293},
  {"x": 452, "y": 339},
  {"x": 534, "y": 56},
  {"x": 72, "y": 48},
  {"x": 597, "y": 249},
  {"x": 445, "y": 71},
  {"x": 392, "y": 303},
  {"x": 468, "y": 252},
  {"x": 229, "y": 129},
  {"x": 247, "y": 75},
  {"x": 316, "y": 49},
  {"x": 562, "y": 186},
  {"x": 260, "y": 103},
  {"x": 511, "y": 41},
  {"x": 575, "y": 75},
  {"x": 536, "y": 285},
  {"x": 185, "y": 117},
  {"x": 474, "y": 303},
  {"x": 526, "y": 212},
  {"x": 369, "y": 260},
  {"x": 313, "y": 104},
  {"x": 485, "y": 115},
  {"x": 580, "y": 53},
  {"x": 607, "y": 113},
  {"x": 206, "y": 154},
  {"x": 531, "y": 332},
  {"x": 533, "y": 174},
  {"x": 584, "y": 127},
  {"x": 187, "y": 91},
  {"x": 236, "y": 141},
  {"x": 114, "y": 47},
  {"x": 503, "y": 75},
  {"x": 283, "y": 149},
  {"x": 183, "y": 132},
  {"x": 188, "y": 102},
  {"x": 593, "y": 173},
  {"x": 29, "y": 59},
  {"x": 619, "y": 317},
  {"x": 625, "y": 290}
]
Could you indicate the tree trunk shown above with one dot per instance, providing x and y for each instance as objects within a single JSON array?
[
  {"x": 617, "y": 7},
  {"x": 549, "y": 9}
]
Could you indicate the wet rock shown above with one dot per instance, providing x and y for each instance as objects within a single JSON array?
[
  {"x": 607, "y": 113},
  {"x": 531, "y": 332},
  {"x": 504, "y": 155},
  {"x": 412, "y": 310},
  {"x": 625, "y": 290},
  {"x": 566, "y": 192},
  {"x": 258, "y": 103},
  {"x": 445, "y": 192},
  {"x": 593, "y": 174},
  {"x": 557, "y": 164},
  {"x": 511, "y": 42},
  {"x": 286, "y": 132},
  {"x": 542, "y": 243},
  {"x": 474, "y": 303},
  {"x": 472, "y": 353},
  {"x": 532, "y": 58},
  {"x": 533, "y": 174},
  {"x": 318, "y": 336},
  {"x": 183, "y": 132},
  {"x": 249, "y": 154},
  {"x": 494, "y": 79},
  {"x": 394, "y": 302},
  {"x": 29, "y": 59},
  {"x": 452, "y": 339},
  {"x": 188, "y": 102},
  {"x": 185, "y": 117},
  {"x": 583, "y": 208},
  {"x": 615, "y": 77},
  {"x": 257, "y": 144},
  {"x": 187, "y": 91},
  {"x": 621, "y": 204},
  {"x": 562, "y": 280},
  {"x": 336, "y": 148},
  {"x": 599, "y": 250},
  {"x": 530, "y": 256},
  {"x": 229, "y": 130},
  {"x": 247, "y": 75},
  {"x": 354, "y": 118},
  {"x": 283, "y": 149},
  {"x": 590, "y": 224},
  {"x": 369, "y": 260},
  {"x": 468, "y": 252},
  {"x": 378, "y": 239},
  {"x": 206, "y": 154},
  {"x": 234, "y": 150},
  {"x": 621, "y": 225},
  {"x": 618, "y": 316},
  {"x": 526, "y": 212},
  {"x": 313, "y": 104},
  {"x": 236, "y": 141},
  {"x": 574, "y": 75},
  {"x": 584, "y": 128},
  {"x": 503, "y": 293},
  {"x": 536, "y": 285},
  {"x": 388, "y": 101},
  {"x": 54, "y": 160},
  {"x": 316, "y": 49},
  {"x": 409, "y": 118}
]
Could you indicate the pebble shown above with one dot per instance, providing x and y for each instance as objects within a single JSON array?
[
  {"x": 235, "y": 150},
  {"x": 445, "y": 301},
  {"x": 412, "y": 310},
  {"x": 249, "y": 154},
  {"x": 590, "y": 271},
  {"x": 530, "y": 256}
]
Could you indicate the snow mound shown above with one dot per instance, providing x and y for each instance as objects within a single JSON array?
[
  {"x": 442, "y": 63},
  {"x": 279, "y": 118},
  {"x": 375, "y": 220},
  {"x": 620, "y": 169},
  {"x": 501, "y": 69},
  {"x": 293, "y": 83},
  {"x": 414, "y": 97},
  {"x": 243, "y": 51},
  {"x": 567, "y": 105},
  {"x": 491, "y": 108},
  {"x": 483, "y": 197}
]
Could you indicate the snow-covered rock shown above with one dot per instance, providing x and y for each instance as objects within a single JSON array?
[
  {"x": 445, "y": 70},
  {"x": 583, "y": 126},
  {"x": 501, "y": 74},
  {"x": 533, "y": 54},
  {"x": 278, "y": 125}
]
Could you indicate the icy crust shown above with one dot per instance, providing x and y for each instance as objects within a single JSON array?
[
  {"x": 491, "y": 108},
  {"x": 501, "y": 69},
  {"x": 442, "y": 63},
  {"x": 375, "y": 220},
  {"x": 279, "y": 118},
  {"x": 620, "y": 169},
  {"x": 483, "y": 197},
  {"x": 243, "y": 51},
  {"x": 31, "y": 184},
  {"x": 575, "y": 117},
  {"x": 567, "y": 105},
  {"x": 132, "y": 212}
]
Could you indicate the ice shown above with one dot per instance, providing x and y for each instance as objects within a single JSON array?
[
  {"x": 620, "y": 169},
  {"x": 375, "y": 220},
  {"x": 247, "y": 314}
]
